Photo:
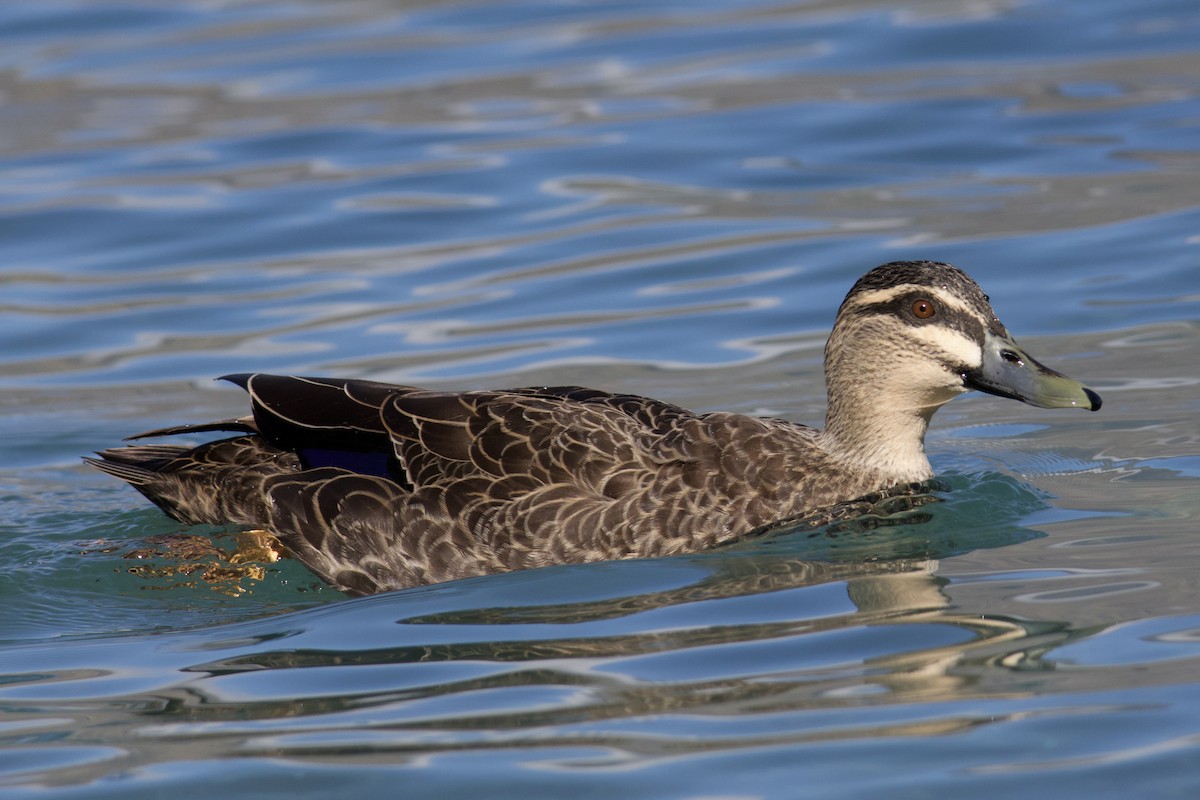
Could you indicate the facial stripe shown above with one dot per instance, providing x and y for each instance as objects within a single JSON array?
[
  {"x": 968, "y": 322},
  {"x": 971, "y": 314},
  {"x": 883, "y": 297},
  {"x": 957, "y": 349}
]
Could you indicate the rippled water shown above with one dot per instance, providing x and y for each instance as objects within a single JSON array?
[{"x": 667, "y": 199}]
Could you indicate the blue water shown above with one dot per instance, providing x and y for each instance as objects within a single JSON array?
[{"x": 667, "y": 199}]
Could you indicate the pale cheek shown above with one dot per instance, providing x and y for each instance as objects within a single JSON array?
[{"x": 930, "y": 382}]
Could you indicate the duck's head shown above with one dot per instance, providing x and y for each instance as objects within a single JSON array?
[{"x": 911, "y": 335}]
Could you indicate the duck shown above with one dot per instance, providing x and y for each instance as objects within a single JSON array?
[{"x": 376, "y": 487}]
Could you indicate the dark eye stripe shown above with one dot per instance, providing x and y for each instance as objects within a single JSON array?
[{"x": 900, "y": 308}]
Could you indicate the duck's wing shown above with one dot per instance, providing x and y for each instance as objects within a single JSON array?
[
  {"x": 326, "y": 422},
  {"x": 534, "y": 437},
  {"x": 419, "y": 437},
  {"x": 481, "y": 481}
]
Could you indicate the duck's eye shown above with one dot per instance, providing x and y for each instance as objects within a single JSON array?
[{"x": 924, "y": 308}]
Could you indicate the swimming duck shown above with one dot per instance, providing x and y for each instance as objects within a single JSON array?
[{"x": 375, "y": 486}]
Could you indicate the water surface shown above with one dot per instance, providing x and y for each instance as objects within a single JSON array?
[{"x": 667, "y": 200}]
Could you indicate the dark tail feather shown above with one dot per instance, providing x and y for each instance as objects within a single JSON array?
[
  {"x": 239, "y": 425},
  {"x": 141, "y": 467},
  {"x": 216, "y": 483},
  {"x": 136, "y": 465}
]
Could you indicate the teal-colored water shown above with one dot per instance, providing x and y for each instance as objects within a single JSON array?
[{"x": 666, "y": 199}]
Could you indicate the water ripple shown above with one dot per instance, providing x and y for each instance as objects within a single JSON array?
[{"x": 662, "y": 199}]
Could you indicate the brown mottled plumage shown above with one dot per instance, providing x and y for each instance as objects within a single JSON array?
[{"x": 377, "y": 487}]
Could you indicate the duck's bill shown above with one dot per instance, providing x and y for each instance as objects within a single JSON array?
[{"x": 1008, "y": 371}]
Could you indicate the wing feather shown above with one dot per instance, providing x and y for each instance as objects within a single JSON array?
[{"x": 596, "y": 441}]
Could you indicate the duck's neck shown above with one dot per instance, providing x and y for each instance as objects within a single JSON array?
[{"x": 880, "y": 437}]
